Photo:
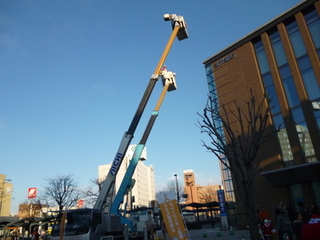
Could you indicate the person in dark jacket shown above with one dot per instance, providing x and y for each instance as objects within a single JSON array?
[
  {"x": 297, "y": 226},
  {"x": 304, "y": 211},
  {"x": 314, "y": 208},
  {"x": 280, "y": 224},
  {"x": 35, "y": 234}
]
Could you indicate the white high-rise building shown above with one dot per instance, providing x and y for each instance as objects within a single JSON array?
[{"x": 143, "y": 191}]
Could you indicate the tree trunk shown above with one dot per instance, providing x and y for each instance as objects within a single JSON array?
[
  {"x": 253, "y": 224},
  {"x": 246, "y": 192}
]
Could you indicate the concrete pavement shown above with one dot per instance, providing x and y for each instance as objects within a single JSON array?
[{"x": 212, "y": 233}]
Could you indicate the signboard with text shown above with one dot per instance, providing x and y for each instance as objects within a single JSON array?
[
  {"x": 222, "y": 203},
  {"x": 174, "y": 223}
]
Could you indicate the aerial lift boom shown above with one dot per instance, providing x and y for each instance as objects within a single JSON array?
[
  {"x": 169, "y": 83},
  {"x": 180, "y": 31}
]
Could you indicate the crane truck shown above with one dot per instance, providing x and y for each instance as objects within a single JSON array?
[
  {"x": 103, "y": 219},
  {"x": 169, "y": 84}
]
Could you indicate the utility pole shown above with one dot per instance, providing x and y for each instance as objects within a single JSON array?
[{"x": 177, "y": 189}]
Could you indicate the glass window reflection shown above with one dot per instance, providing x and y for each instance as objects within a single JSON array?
[
  {"x": 313, "y": 22},
  {"x": 303, "y": 132},
  {"x": 283, "y": 138},
  {"x": 289, "y": 87},
  {"x": 309, "y": 78}
]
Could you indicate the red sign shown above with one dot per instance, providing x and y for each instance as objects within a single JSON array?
[
  {"x": 80, "y": 203},
  {"x": 32, "y": 192}
]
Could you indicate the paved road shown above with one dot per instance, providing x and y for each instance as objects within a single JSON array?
[{"x": 212, "y": 233}]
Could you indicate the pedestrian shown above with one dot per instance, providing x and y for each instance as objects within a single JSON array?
[
  {"x": 314, "y": 208},
  {"x": 311, "y": 230},
  {"x": 291, "y": 212},
  {"x": 280, "y": 224},
  {"x": 263, "y": 214},
  {"x": 44, "y": 235},
  {"x": 267, "y": 229},
  {"x": 14, "y": 235},
  {"x": 287, "y": 213},
  {"x": 304, "y": 211},
  {"x": 297, "y": 226},
  {"x": 164, "y": 70},
  {"x": 35, "y": 234},
  {"x": 164, "y": 229}
]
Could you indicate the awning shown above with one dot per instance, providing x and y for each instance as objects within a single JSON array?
[
  {"x": 201, "y": 205},
  {"x": 307, "y": 172}
]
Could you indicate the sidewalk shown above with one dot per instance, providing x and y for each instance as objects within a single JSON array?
[{"x": 212, "y": 233}]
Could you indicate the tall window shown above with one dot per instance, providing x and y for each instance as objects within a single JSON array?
[
  {"x": 311, "y": 85},
  {"x": 284, "y": 70},
  {"x": 213, "y": 96},
  {"x": 304, "y": 135},
  {"x": 276, "y": 111},
  {"x": 313, "y": 22},
  {"x": 225, "y": 172},
  {"x": 303, "y": 60},
  {"x": 290, "y": 88},
  {"x": 266, "y": 77}
]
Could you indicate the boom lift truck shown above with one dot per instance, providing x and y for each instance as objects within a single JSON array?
[
  {"x": 92, "y": 224},
  {"x": 169, "y": 84}
]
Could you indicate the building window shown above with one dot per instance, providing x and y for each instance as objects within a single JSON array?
[
  {"x": 297, "y": 44},
  {"x": 271, "y": 92},
  {"x": 284, "y": 70},
  {"x": 283, "y": 140},
  {"x": 303, "y": 134},
  {"x": 214, "y": 102},
  {"x": 278, "y": 49},
  {"x": 262, "y": 58},
  {"x": 266, "y": 77},
  {"x": 316, "y": 112},
  {"x": 308, "y": 77},
  {"x": 289, "y": 86},
  {"x": 225, "y": 172},
  {"x": 313, "y": 22},
  {"x": 303, "y": 60},
  {"x": 311, "y": 86}
]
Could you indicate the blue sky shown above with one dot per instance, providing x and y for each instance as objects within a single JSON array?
[{"x": 72, "y": 74}]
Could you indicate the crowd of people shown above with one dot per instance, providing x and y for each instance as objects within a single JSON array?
[
  {"x": 36, "y": 234},
  {"x": 289, "y": 224}
]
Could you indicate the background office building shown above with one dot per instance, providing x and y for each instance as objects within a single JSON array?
[
  {"x": 5, "y": 195},
  {"x": 196, "y": 193},
  {"x": 281, "y": 59},
  {"x": 143, "y": 192}
]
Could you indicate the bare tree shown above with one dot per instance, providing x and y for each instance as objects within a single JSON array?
[
  {"x": 172, "y": 186},
  {"x": 92, "y": 192},
  {"x": 61, "y": 191},
  {"x": 209, "y": 195},
  {"x": 236, "y": 134}
]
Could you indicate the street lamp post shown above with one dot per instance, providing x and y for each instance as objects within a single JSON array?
[
  {"x": 177, "y": 190},
  {"x": 2, "y": 193}
]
